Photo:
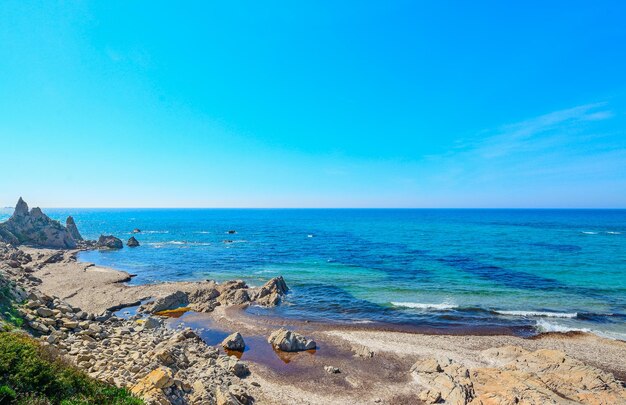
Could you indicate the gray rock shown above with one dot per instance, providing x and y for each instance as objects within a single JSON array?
[
  {"x": 72, "y": 229},
  {"x": 132, "y": 242},
  {"x": 38, "y": 326},
  {"x": 332, "y": 370},
  {"x": 152, "y": 322},
  {"x": 70, "y": 324},
  {"x": 234, "y": 297},
  {"x": 109, "y": 242},
  {"x": 362, "y": 351},
  {"x": 175, "y": 300},
  {"x": 14, "y": 264},
  {"x": 45, "y": 312},
  {"x": 231, "y": 364},
  {"x": 234, "y": 342},
  {"x": 270, "y": 293},
  {"x": 203, "y": 298},
  {"x": 35, "y": 228},
  {"x": 289, "y": 341},
  {"x": 54, "y": 258}
]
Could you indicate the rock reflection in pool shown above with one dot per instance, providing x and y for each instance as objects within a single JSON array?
[
  {"x": 174, "y": 313},
  {"x": 287, "y": 357},
  {"x": 257, "y": 350}
]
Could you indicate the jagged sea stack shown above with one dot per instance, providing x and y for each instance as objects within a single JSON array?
[
  {"x": 132, "y": 242},
  {"x": 35, "y": 228},
  {"x": 72, "y": 229}
]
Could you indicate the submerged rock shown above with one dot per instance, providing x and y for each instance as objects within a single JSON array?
[
  {"x": 72, "y": 229},
  {"x": 132, "y": 242},
  {"x": 35, "y": 228},
  {"x": 110, "y": 242},
  {"x": 289, "y": 341},
  {"x": 234, "y": 342}
]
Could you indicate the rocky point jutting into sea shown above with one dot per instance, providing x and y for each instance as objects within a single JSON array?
[{"x": 215, "y": 353}]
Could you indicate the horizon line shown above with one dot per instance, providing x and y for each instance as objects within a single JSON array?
[{"x": 328, "y": 208}]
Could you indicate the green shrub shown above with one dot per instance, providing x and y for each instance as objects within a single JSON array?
[
  {"x": 7, "y": 395},
  {"x": 35, "y": 375},
  {"x": 7, "y": 308}
]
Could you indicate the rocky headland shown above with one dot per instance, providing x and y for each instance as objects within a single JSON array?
[
  {"x": 35, "y": 228},
  {"x": 74, "y": 308}
]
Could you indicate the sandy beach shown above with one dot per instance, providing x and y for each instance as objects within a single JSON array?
[{"x": 371, "y": 365}]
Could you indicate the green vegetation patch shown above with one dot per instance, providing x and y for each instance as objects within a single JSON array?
[
  {"x": 33, "y": 374},
  {"x": 8, "y": 313}
]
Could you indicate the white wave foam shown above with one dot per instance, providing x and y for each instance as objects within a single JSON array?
[
  {"x": 203, "y": 232},
  {"x": 539, "y": 313},
  {"x": 155, "y": 231},
  {"x": 614, "y": 233},
  {"x": 178, "y": 243},
  {"x": 309, "y": 236},
  {"x": 589, "y": 233},
  {"x": 419, "y": 305},
  {"x": 545, "y": 326}
]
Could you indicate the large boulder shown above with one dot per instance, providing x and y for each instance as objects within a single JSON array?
[
  {"x": 289, "y": 341},
  {"x": 270, "y": 293},
  {"x": 203, "y": 298},
  {"x": 234, "y": 297},
  {"x": 175, "y": 300},
  {"x": 132, "y": 242},
  {"x": 150, "y": 388},
  {"x": 109, "y": 242},
  {"x": 35, "y": 228},
  {"x": 72, "y": 229},
  {"x": 233, "y": 292},
  {"x": 234, "y": 342}
]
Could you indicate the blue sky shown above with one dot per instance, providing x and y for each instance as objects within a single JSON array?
[{"x": 313, "y": 104}]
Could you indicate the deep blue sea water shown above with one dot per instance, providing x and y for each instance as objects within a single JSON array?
[{"x": 522, "y": 271}]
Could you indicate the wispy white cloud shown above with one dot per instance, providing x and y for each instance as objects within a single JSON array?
[
  {"x": 563, "y": 146},
  {"x": 540, "y": 132}
]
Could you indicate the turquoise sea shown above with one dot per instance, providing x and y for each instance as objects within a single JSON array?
[{"x": 486, "y": 271}]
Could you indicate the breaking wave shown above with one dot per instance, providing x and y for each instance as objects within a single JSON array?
[
  {"x": 538, "y": 314},
  {"x": 419, "y": 305}
]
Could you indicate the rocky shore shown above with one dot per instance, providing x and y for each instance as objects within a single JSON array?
[
  {"x": 159, "y": 364},
  {"x": 71, "y": 306}
]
